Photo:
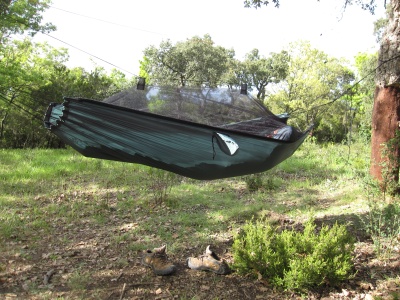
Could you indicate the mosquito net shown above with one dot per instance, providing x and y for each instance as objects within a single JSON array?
[{"x": 232, "y": 109}]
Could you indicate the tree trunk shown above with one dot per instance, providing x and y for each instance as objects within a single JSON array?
[{"x": 386, "y": 111}]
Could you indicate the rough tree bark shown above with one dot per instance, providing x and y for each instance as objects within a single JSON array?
[{"x": 386, "y": 111}]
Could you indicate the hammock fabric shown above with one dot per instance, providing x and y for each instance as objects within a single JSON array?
[{"x": 236, "y": 136}]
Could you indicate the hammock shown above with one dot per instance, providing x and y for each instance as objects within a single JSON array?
[{"x": 203, "y": 134}]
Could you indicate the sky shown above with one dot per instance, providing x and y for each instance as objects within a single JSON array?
[{"x": 113, "y": 34}]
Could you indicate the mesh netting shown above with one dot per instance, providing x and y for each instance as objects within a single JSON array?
[{"x": 220, "y": 107}]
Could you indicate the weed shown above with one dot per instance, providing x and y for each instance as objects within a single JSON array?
[
  {"x": 79, "y": 280},
  {"x": 383, "y": 224},
  {"x": 253, "y": 182},
  {"x": 136, "y": 247},
  {"x": 395, "y": 295},
  {"x": 122, "y": 238},
  {"x": 159, "y": 184},
  {"x": 10, "y": 224},
  {"x": 390, "y": 165},
  {"x": 382, "y": 221}
]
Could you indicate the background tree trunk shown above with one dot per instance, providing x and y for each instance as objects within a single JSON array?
[{"x": 386, "y": 111}]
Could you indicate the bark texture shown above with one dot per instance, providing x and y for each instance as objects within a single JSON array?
[{"x": 386, "y": 111}]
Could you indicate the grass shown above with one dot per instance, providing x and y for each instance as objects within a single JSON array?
[
  {"x": 51, "y": 196},
  {"x": 38, "y": 185}
]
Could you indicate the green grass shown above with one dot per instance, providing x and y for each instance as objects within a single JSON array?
[
  {"x": 67, "y": 186},
  {"x": 52, "y": 195}
]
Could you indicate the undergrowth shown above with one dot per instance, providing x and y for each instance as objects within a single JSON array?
[{"x": 295, "y": 260}]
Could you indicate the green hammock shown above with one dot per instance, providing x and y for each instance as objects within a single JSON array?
[{"x": 200, "y": 151}]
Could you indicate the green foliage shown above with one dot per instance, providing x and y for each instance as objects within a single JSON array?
[
  {"x": 295, "y": 260},
  {"x": 32, "y": 76},
  {"x": 20, "y": 16},
  {"x": 259, "y": 181},
  {"x": 333, "y": 124},
  {"x": 259, "y": 71},
  {"x": 364, "y": 92},
  {"x": 314, "y": 79},
  {"x": 189, "y": 63}
]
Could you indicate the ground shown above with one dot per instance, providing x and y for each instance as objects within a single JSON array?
[{"x": 81, "y": 260}]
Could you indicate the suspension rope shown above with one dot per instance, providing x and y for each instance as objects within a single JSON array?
[
  {"x": 12, "y": 102},
  {"x": 296, "y": 111},
  {"x": 105, "y": 21},
  {"x": 348, "y": 90},
  {"x": 92, "y": 55}
]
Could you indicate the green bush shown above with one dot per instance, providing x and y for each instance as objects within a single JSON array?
[{"x": 294, "y": 260}]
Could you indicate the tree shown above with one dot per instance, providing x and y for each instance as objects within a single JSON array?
[
  {"x": 191, "y": 63},
  {"x": 365, "y": 4},
  {"x": 364, "y": 92},
  {"x": 313, "y": 80},
  {"x": 24, "y": 68},
  {"x": 17, "y": 17},
  {"x": 34, "y": 75},
  {"x": 259, "y": 71},
  {"x": 20, "y": 16},
  {"x": 386, "y": 110}
]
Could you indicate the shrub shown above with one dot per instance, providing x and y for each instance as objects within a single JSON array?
[
  {"x": 159, "y": 184},
  {"x": 295, "y": 260}
]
